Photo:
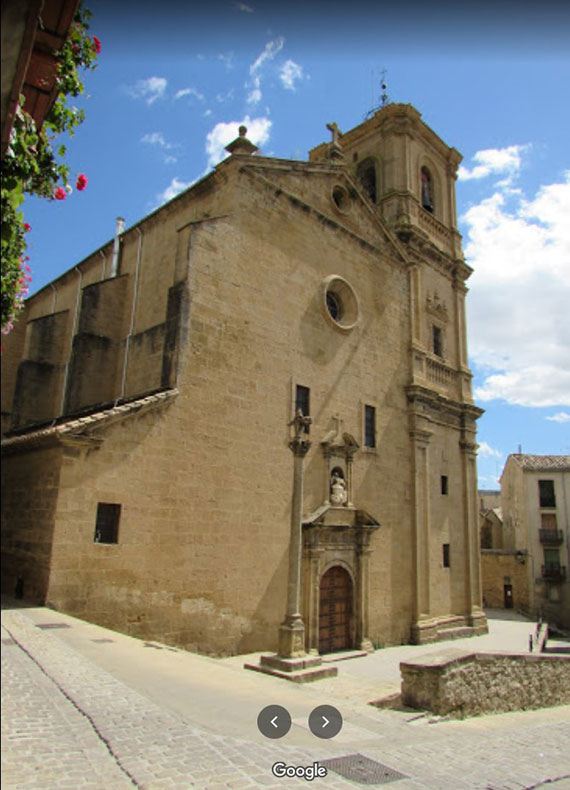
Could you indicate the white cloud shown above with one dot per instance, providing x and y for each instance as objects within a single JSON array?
[
  {"x": 271, "y": 50},
  {"x": 174, "y": 188},
  {"x": 258, "y": 130},
  {"x": 289, "y": 72},
  {"x": 189, "y": 92},
  {"x": 243, "y": 7},
  {"x": 495, "y": 161},
  {"x": 519, "y": 333},
  {"x": 561, "y": 417},
  {"x": 486, "y": 451},
  {"x": 157, "y": 139},
  {"x": 207, "y": 113},
  {"x": 150, "y": 89},
  {"x": 154, "y": 138},
  {"x": 227, "y": 59},
  {"x": 223, "y": 97}
]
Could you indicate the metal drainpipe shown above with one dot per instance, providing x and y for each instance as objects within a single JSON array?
[
  {"x": 120, "y": 227},
  {"x": 73, "y": 331},
  {"x": 132, "y": 322}
]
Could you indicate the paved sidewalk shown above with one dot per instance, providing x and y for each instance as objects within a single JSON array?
[{"x": 87, "y": 707}]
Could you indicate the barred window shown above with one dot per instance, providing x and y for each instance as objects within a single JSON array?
[
  {"x": 303, "y": 402},
  {"x": 546, "y": 493},
  {"x": 107, "y": 523},
  {"x": 369, "y": 426}
]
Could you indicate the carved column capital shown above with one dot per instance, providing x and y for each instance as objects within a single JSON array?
[{"x": 299, "y": 447}]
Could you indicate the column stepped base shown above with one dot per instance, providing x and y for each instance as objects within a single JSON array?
[{"x": 304, "y": 669}]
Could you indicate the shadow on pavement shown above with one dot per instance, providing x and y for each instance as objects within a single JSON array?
[{"x": 507, "y": 614}]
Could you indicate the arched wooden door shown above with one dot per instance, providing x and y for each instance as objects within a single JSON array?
[{"x": 335, "y": 610}]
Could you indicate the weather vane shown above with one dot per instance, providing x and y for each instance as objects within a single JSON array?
[{"x": 384, "y": 98}]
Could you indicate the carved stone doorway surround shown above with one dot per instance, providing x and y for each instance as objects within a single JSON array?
[{"x": 337, "y": 536}]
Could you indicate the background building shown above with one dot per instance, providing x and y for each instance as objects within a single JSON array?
[
  {"x": 148, "y": 394},
  {"x": 525, "y": 558}
]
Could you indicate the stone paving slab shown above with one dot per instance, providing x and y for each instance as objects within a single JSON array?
[{"x": 68, "y": 723}]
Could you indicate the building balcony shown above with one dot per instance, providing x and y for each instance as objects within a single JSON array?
[
  {"x": 554, "y": 573},
  {"x": 550, "y": 537}
]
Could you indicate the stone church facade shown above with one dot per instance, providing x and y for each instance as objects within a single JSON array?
[{"x": 148, "y": 395}]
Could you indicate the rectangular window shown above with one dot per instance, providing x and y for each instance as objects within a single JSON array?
[
  {"x": 548, "y": 521},
  {"x": 369, "y": 426},
  {"x": 552, "y": 559},
  {"x": 303, "y": 402},
  {"x": 107, "y": 524},
  {"x": 444, "y": 485},
  {"x": 437, "y": 341},
  {"x": 546, "y": 493},
  {"x": 446, "y": 563}
]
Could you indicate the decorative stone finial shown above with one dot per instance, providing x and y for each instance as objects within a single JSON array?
[{"x": 241, "y": 145}]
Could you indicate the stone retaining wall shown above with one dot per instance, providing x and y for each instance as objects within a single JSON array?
[{"x": 468, "y": 684}]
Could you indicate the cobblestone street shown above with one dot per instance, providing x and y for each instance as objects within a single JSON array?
[{"x": 68, "y": 723}]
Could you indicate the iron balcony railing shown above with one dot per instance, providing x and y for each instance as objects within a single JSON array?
[
  {"x": 554, "y": 573},
  {"x": 550, "y": 537}
]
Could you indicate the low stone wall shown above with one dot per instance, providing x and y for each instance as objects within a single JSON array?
[{"x": 459, "y": 683}]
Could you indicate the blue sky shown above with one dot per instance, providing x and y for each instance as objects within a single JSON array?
[{"x": 175, "y": 80}]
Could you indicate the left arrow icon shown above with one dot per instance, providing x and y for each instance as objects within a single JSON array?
[{"x": 274, "y": 721}]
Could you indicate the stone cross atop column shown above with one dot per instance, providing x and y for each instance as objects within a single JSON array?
[{"x": 335, "y": 149}]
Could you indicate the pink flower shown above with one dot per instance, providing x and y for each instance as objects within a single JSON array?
[
  {"x": 60, "y": 194},
  {"x": 81, "y": 182},
  {"x": 27, "y": 227},
  {"x": 96, "y": 44}
]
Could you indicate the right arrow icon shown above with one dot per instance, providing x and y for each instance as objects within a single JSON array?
[{"x": 325, "y": 721}]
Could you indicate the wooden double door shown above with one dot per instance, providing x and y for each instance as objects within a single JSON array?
[{"x": 335, "y": 610}]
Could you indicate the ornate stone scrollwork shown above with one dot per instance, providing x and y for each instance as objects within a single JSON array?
[{"x": 436, "y": 306}]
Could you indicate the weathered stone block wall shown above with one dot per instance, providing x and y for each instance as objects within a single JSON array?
[
  {"x": 29, "y": 497},
  {"x": 478, "y": 683},
  {"x": 41, "y": 372},
  {"x": 499, "y": 567}
]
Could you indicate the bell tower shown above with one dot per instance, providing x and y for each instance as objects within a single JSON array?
[{"x": 406, "y": 174}]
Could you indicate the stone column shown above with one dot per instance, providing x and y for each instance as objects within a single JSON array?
[
  {"x": 420, "y": 440},
  {"x": 349, "y": 460},
  {"x": 292, "y": 629},
  {"x": 363, "y": 584},
  {"x": 473, "y": 586},
  {"x": 314, "y": 555}
]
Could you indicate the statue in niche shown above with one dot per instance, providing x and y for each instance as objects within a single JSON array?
[{"x": 338, "y": 488}]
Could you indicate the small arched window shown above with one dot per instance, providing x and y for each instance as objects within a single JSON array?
[
  {"x": 427, "y": 189},
  {"x": 366, "y": 174}
]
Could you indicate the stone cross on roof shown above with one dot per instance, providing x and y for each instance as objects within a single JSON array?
[{"x": 335, "y": 149}]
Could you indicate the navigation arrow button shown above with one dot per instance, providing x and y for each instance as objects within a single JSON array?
[
  {"x": 325, "y": 721},
  {"x": 274, "y": 721}
]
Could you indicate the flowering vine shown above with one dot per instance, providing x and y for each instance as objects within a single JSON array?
[{"x": 30, "y": 166}]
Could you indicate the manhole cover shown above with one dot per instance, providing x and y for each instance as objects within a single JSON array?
[
  {"x": 102, "y": 641},
  {"x": 45, "y": 626},
  {"x": 362, "y": 769}
]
